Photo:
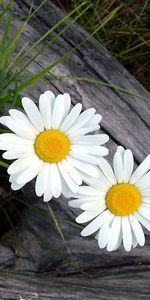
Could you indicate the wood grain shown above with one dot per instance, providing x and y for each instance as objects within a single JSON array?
[{"x": 39, "y": 248}]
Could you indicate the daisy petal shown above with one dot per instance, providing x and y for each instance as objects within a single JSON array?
[
  {"x": 97, "y": 139},
  {"x": 45, "y": 110},
  {"x": 22, "y": 129},
  {"x": 55, "y": 180},
  {"x": 85, "y": 157},
  {"x": 41, "y": 180},
  {"x": 114, "y": 233},
  {"x": 96, "y": 223},
  {"x": 137, "y": 229},
  {"x": 75, "y": 175},
  {"x": 84, "y": 167},
  {"x": 31, "y": 172},
  {"x": 87, "y": 216},
  {"x": 128, "y": 165},
  {"x": 71, "y": 184},
  {"x": 67, "y": 104},
  {"x": 58, "y": 112},
  {"x": 71, "y": 118},
  {"x": 127, "y": 235},
  {"x": 20, "y": 164},
  {"x": 144, "y": 182},
  {"x": 103, "y": 236},
  {"x": 83, "y": 118},
  {"x": 142, "y": 220},
  {"x": 141, "y": 170},
  {"x": 15, "y": 186},
  {"x": 107, "y": 170},
  {"x": 94, "y": 205},
  {"x": 118, "y": 167},
  {"x": 33, "y": 113}
]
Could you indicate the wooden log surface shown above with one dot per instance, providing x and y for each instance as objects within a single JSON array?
[{"x": 38, "y": 248}]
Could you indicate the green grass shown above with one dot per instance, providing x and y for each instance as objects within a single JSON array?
[{"x": 126, "y": 36}]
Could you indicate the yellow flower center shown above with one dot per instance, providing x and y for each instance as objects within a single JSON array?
[
  {"x": 123, "y": 199},
  {"x": 52, "y": 146}
]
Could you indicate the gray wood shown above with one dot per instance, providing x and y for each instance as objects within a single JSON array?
[
  {"x": 39, "y": 248},
  {"x": 22, "y": 287}
]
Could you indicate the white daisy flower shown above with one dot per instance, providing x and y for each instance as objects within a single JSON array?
[
  {"x": 118, "y": 201},
  {"x": 51, "y": 143}
]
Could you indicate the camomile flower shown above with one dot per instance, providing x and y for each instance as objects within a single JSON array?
[
  {"x": 118, "y": 201},
  {"x": 50, "y": 143}
]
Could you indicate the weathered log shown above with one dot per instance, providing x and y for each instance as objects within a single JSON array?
[
  {"x": 39, "y": 248},
  {"x": 37, "y": 287}
]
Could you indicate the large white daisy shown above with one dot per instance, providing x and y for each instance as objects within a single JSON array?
[
  {"x": 51, "y": 143},
  {"x": 118, "y": 201}
]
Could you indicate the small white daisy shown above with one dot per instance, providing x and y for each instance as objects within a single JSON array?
[
  {"x": 118, "y": 201},
  {"x": 51, "y": 143}
]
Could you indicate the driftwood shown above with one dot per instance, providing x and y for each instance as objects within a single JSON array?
[{"x": 32, "y": 264}]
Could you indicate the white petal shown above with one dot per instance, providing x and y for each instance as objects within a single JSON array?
[
  {"x": 15, "y": 186},
  {"x": 95, "y": 120},
  {"x": 17, "y": 146},
  {"x": 145, "y": 192},
  {"x": 127, "y": 235},
  {"x": 96, "y": 223},
  {"x": 22, "y": 129},
  {"x": 85, "y": 157},
  {"x": 138, "y": 231},
  {"x": 33, "y": 113},
  {"x": 144, "y": 212},
  {"x": 142, "y": 220},
  {"x": 94, "y": 205},
  {"x": 47, "y": 194},
  {"x": 41, "y": 180},
  {"x": 18, "y": 115},
  {"x": 45, "y": 110},
  {"x": 58, "y": 112},
  {"x": 31, "y": 172},
  {"x": 144, "y": 182},
  {"x": 87, "y": 216},
  {"x": 67, "y": 104},
  {"x": 84, "y": 167},
  {"x": 4, "y": 120},
  {"x": 79, "y": 201},
  {"x": 20, "y": 164},
  {"x": 97, "y": 139},
  {"x": 83, "y": 118},
  {"x": 146, "y": 199},
  {"x": 14, "y": 177},
  {"x": 71, "y": 184},
  {"x": 51, "y": 98},
  {"x": 118, "y": 167},
  {"x": 75, "y": 175},
  {"x": 103, "y": 236},
  {"x": 97, "y": 150},
  {"x": 107, "y": 170},
  {"x": 66, "y": 192},
  {"x": 18, "y": 153},
  {"x": 83, "y": 131},
  {"x": 134, "y": 240},
  {"x": 55, "y": 180},
  {"x": 119, "y": 241},
  {"x": 121, "y": 150},
  {"x": 89, "y": 191},
  {"x": 114, "y": 233},
  {"x": 12, "y": 138},
  {"x": 128, "y": 165},
  {"x": 71, "y": 118},
  {"x": 141, "y": 170}
]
